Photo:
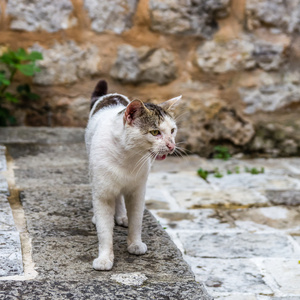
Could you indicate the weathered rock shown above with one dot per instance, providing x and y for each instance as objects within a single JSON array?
[
  {"x": 289, "y": 283},
  {"x": 284, "y": 197},
  {"x": 10, "y": 254},
  {"x": 113, "y": 15},
  {"x": 40, "y": 15},
  {"x": 134, "y": 65},
  {"x": 229, "y": 275},
  {"x": 272, "y": 93},
  {"x": 279, "y": 15},
  {"x": 7, "y": 221},
  {"x": 239, "y": 54},
  {"x": 221, "y": 57},
  {"x": 66, "y": 63},
  {"x": 237, "y": 245},
  {"x": 189, "y": 17}
]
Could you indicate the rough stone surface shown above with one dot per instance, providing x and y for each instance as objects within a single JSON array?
[
  {"x": 285, "y": 197},
  {"x": 286, "y": 273},
  {"x": 272, "y": 93},
  {"x": 37, "y": 15},
  {"x": 188, "y": 18},
  {"x": 279, "y": 15},
  {"x": 113, "y": 16},
  {"x": 230, "y": 276},
  {"x": 2, "y": 158},
  {"x": 6, "y": 220},
  {"x": 10, "y": 254},
  {"x": 135, "y": 65},
  {"x": 66, "y": 63},
  {"x": 239, "y": 54},
  {"x": 221, "y": 57}
]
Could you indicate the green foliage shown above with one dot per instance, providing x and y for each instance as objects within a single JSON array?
[
  {"x": 217, "y": 173},
  {"x": 255, "y": 171},
  {"x": 202, "y": 173},
  {"x": 221, "y": 152},
  {"x": 15, "y": 61}
]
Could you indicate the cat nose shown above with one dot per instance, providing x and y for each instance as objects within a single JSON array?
[{"x": 170, "y": 146}]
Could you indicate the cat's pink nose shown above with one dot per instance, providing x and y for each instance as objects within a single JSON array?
[{"x": 170, "y": 146}]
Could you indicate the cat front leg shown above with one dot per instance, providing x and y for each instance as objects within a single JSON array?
[
  {"x": 104, "y": 208},
  {"x": 135, "y": 211}
]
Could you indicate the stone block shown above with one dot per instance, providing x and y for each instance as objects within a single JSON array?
[
  {"x": 10, "y": 254},
  {"x": 284, "y": 197},
  {"x": 2, "y": 158},
  {"x": 66, "y": 63},
  {"x": 144, "y": 64},
  {"x": 286, "y": 272},
  {"x": 222, "y": 57},
  {"x": 271, "y": 93},
  {"x": 229, "y": 276},
  {"x": 277, "y": 15},
  {"x": 113, "y": 15},
  {"x": 6, "y": 218},
  {"x": 3, "y": 185},
  {"x": 237, "y": 245},
  {"x": 197, "y": 18},
  {"x": 38, "y": 15}
]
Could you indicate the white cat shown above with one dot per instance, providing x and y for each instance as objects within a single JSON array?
[{"x": 123, "y": 138}]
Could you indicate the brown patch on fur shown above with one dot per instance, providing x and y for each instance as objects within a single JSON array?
[
  {"x": 152, "y": 118},
  {"x": 110, "y": 101}
]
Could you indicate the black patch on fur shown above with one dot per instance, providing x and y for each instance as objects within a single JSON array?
[
  {"x": 99, "y": 91},
  {"x": 109, "y": 101}
]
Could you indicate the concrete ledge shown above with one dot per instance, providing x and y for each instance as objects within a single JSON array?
[{"x": 51, "y": 176}]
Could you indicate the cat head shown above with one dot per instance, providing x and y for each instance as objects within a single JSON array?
[{"x": 152, "y": 126}]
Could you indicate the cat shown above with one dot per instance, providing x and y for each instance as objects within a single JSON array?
[{"x": 123, "y": 138}]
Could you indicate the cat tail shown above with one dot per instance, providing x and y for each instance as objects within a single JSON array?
[{"x": 99, "y": 91}]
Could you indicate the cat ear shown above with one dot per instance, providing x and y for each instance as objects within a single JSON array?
[
  {"x": 170, "y": 104},
  {"x": 133, "y": 110}
]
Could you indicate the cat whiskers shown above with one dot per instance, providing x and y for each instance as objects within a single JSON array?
[{"x": 141, "y": 162}]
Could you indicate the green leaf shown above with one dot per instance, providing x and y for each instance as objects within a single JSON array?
[
  {"x": 11, "y": 98},
  {"x": 3, "y": 79},
  {"x": 28, "y": 70},
  {"x": 21, "y": 54},
  {"x": 34, "y": 55}
]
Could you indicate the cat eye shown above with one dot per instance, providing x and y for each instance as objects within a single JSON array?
[
  {"x": 155, "y": 132},
  {"x": 172, "y": 130}
]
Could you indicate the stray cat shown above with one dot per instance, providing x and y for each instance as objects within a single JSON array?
[{"x": 123, "y": 138}]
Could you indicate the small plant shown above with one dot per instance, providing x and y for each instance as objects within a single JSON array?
[
  {"x": 221, "y": 152},
  {"x": 202, "y": 173},
  {"x": 217, "y": 173},
  {"x": 14, "y": 61},
  {"x": 237, "y": 170},
  {"x": 229, "y": 172},
  {"x": 254, "y": 171}
]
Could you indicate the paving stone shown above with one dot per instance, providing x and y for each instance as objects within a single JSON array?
[
  {"x": 6, "y": 218},
  {"x": 212, "y": 198},
  {"x": 284, "y": 197},
  {"x": 2, "y": 158},
  {"x": 156, "y": 199},
  {"x": 10, "y": 254},
  {"x": 229, "y": 275},
  {"x": 286, "y": 273},
  {"x": 237, "y": 296},
  {"x": 237, "y": 245},
  {"x": 267, "y": 218},
  {"x": 3, "y": 185},
  {"x": 196, "y": 219}
]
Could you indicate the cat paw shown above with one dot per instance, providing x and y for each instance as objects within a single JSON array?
[
  {"x": 102, "y": 264},
  {"x": 94, "y": 220},
  {"x": 137, "y": 248},
  {"x": 122, "y": 221}
]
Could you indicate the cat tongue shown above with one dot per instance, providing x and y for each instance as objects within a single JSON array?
[{"x": 161, "y": 157}]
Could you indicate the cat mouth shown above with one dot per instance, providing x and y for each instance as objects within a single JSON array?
[{"x": 161, "y": 157}]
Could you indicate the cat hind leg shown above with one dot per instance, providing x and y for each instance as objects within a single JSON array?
[{"x": 121, "y": 213}]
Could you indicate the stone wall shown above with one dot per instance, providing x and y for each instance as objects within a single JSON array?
[{"x": 236, "y": 63}]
